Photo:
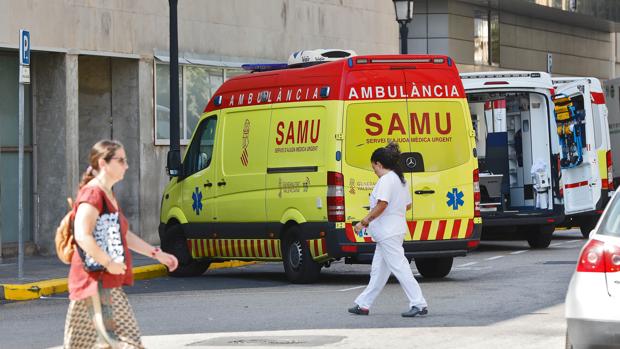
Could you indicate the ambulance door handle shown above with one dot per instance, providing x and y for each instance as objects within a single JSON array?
[
  {"x": 223, "y": 182},
  {"x": 423, "y": 192},
  {"x": 367, "y": 208},
  {"x": 208, "y": 184}
]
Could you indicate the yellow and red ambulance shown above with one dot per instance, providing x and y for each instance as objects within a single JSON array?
[{"x": 278, "y": 168}]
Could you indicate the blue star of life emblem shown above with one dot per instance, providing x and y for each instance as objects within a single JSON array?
[
  {"x": 197, "y": 197},
  {"x": 455, "y": 199}
]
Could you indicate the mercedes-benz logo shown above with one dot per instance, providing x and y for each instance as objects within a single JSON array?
[{"x": 410, "y": 162}]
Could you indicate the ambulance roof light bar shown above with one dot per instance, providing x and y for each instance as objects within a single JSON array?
[
  {"x": 264, "y": 66},
  {"x": 402, "y": 60}
]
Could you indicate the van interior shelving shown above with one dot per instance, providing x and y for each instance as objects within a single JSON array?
[{"x": 503, "y": 124}]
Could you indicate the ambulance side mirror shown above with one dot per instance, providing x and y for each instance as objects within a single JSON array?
[{"x": 173, "y": 164}]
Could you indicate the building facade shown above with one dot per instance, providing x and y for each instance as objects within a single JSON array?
[{"x": 99, "y": 69}]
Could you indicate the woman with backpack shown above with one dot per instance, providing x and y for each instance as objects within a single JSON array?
[
  {"x": 387, "y": 224},
  {"x": 99, "y": 312}
]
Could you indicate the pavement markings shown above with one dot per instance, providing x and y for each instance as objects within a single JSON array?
[
  {"x": 467, "y": 264},
  {"x": 494, "y": 258},
  {"x": 519, "y": 252},
  {"x": 351, "y": 288}
]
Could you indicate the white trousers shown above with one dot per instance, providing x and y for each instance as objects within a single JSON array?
[{"x": 390, "y": 258}]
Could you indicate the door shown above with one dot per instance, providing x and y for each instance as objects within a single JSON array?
[
  {"x": 198, "y": 184},
  {"x": 578, "y": 159},
  {"x": 368, "y": 125},
  {"x": 442, "y": 141},
  {"x": 241, "y": 171}
]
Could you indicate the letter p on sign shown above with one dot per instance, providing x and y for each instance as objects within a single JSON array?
[{"x": 24, "y": 47}]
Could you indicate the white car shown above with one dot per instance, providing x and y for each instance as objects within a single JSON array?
[{"x": 593, "y": 298}]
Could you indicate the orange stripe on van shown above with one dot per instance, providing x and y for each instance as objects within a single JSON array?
[
  {"x": 470, "y": 228},
  {"x": 441, "y": 229},
  {"x": 429, "y": 230},
  {"x": 426, "y": 229},
  {"x": 456, "y": 228}
]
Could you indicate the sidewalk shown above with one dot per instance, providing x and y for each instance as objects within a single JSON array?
[{"x": 45, "y": 276}]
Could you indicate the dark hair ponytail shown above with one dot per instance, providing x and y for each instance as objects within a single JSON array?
[{"x": 389, "y": 157}]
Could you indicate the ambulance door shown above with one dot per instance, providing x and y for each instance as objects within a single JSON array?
[
  {"x": 370, "y": 124},
  {"x": 440, "y": 156},
  {"x": 198, "y": 183},
  {"x": 601, "y": 142},
  {"x": 580, "y": 178},
  {"x": 241, "y": 171}
]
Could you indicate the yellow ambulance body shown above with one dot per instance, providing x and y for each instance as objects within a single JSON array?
[{"x": 278, "y": 168}]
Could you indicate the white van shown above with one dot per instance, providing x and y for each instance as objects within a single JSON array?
[
  {"x": 587, "y": 178},
  {"x": 518, "y": 152},
  {"x": 612, "y": 101}
]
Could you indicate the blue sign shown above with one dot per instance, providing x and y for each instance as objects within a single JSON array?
[
  {"x": 24, "y": 47},
  {"x": 455, "y": 198}
]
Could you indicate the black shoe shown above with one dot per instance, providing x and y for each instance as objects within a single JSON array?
[
  {"x": 415, "y": 311},
  {"x": 358, "y": 310}
]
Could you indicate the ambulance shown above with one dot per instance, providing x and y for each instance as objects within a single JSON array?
[
  {"x": 278, "y": 167},
  {"x": 518, "y": 154},
  {"x": 587, "y": 179}
]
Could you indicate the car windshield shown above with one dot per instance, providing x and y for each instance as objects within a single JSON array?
[{"x": 611, "y": 222}]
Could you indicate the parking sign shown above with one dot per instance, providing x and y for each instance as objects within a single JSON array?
[{"x": 24, "y": 47}]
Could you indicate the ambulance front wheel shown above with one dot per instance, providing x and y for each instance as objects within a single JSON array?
[
  {"x": 434, "y": 267},
  {"x": 299, "y": 266},
  {"x": 174, "y": 242}
]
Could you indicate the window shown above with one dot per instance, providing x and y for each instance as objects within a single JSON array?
[
  {"x": 486, "y": 37},
  {"x": 197, "y": 84},
  {"x": 200, "y": 151}
]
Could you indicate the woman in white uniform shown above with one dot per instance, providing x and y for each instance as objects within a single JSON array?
[{"x": 387, "y": 224}]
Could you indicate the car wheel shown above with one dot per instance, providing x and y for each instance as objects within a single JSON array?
[
  {"x": 299, "y": 266},
  {"x": 540, "y": 237},
  {"x": 175, "y": 243},
  {"x": 586, "y": 225},
  {"x": 434, "y": 267}
]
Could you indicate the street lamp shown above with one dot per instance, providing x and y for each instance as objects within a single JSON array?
[{"x": 404, "y": 14}]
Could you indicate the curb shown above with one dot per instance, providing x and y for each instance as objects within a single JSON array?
[{"x": 35, "y": 290}]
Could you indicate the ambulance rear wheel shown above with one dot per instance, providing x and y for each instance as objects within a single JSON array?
[
  {"x": 540, "y": 237},
  {"x": 434, "y": 267},
  {"x": 174, "y": 242},
  {"x": 586, "y": 225},
  {"x": 299, "y": 266}
]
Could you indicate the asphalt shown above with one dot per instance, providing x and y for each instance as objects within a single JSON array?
[{"x": 46, "y": 276}]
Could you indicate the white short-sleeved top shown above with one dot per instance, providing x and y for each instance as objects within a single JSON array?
[{"x": 393, "y": 220}]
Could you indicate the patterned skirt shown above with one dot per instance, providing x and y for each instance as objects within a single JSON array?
[{"x": 102, "y": 321}]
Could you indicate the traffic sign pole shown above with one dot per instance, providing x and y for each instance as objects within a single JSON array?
[{"x": 24, "y": 78}]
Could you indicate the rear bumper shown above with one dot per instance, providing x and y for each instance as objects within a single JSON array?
[
  {"x": 593, "y": 334},
  {"x": 339, "y": 246},
  {"x": 592, "y": 317},
  {"x": 498, "y": 219}
]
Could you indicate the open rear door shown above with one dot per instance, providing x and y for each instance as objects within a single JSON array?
[{"x": 573, "y": 118}]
